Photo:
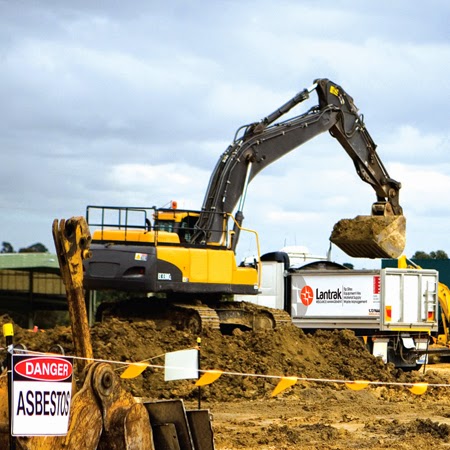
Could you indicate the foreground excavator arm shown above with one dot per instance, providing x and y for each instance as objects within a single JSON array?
[
  {"x": 264, "y": 142},
  {"x": 72, "y": 240}
]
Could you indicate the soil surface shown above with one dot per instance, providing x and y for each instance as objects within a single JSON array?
[{"x": 321, "y": 413}]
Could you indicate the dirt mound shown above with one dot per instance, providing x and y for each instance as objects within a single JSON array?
[
  {"x": 288, "y": 351},
  {"x": 310, "y": 415}
]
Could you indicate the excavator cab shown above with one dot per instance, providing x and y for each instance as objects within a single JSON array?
[{"x": 181, "y": 222}]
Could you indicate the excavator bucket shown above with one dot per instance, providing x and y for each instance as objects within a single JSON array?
[{"x": 371, "y": 236}]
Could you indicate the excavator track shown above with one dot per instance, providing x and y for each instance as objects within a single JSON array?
[
  {"x": 249, "y": 316},
  {"x": 281, "y": 318},
  {"x": 198, "y": 317},
  {"x": 195, "y": 317}
]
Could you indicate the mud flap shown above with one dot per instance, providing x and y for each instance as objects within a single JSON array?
[
  {"x": 380, "y": 349},
  {"x": 371, "y": 236},
  {"x": 422, "y": 346}
]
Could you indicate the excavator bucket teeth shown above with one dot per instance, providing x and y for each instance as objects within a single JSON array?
[{"x": 371, "y": 236}]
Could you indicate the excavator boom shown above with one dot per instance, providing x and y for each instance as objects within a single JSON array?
[{"x": 264, "y": 142}]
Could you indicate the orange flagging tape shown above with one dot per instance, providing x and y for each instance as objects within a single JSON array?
[
  {"x": 208, "y": 377},
  {"x": 134, "y": 369},
  {"x": 283, "y": 384}
]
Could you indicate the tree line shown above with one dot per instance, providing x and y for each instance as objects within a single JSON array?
[
  {"x": 438, "y": 254},
  {"x": 35, "y": 248},
  {"x": 41, "y": 248}
]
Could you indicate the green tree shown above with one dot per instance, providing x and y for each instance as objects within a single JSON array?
[
  {"x": 35, "y": 248},
  {"x": 438, "y": 254},
  {"x": 7, "y": 248}
]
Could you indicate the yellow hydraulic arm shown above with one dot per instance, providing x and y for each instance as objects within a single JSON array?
[
  {"x": 72, "y": 239},
  {"x": 444, "y": 303}
]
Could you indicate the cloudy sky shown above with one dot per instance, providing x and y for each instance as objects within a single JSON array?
[{"x": 132, "y": 103}]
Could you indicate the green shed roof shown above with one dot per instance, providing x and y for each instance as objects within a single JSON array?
[{"x": 43, "y": 262}]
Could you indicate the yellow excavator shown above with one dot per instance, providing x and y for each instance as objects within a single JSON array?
[
  {"x": 444, "y": 304},
  {"x": 183, "y": 261},
  {"x": 441, "y": 343}
]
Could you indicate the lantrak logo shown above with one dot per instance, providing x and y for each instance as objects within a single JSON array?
[
  {"x": 306, "y": 295},
  {"x": 44, "y": 369}
]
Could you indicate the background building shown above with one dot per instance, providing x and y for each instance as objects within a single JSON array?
[{"x": 31, "y": 290}]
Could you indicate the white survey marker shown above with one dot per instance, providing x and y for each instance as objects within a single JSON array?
[
  {"x": 181, "y": 365},
  {"x": 41, "y": 395}
]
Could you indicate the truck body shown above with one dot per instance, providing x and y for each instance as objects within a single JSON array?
[{"x": 394, "y": 310}]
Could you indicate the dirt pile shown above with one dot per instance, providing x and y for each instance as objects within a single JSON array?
[
  {"x": 287, "y": 351},
  {"x": 308, "y": 416}
]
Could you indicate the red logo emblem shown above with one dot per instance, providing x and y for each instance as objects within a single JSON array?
[
  {"x": 376, "y": 284},
  {"x": 306, "y": 295},
  {"x": 44, "y": 369}
]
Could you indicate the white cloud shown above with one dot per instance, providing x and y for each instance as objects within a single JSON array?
[
  {"x": 159, "y": 184},
  {"x": 409, "y": 143},
  {"x": 278, "y": 217},
  {"x": 121, "y": 105},
  {"x": 424, "y": 189}
]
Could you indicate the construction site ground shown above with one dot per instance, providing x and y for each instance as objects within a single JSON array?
[{"x": 320, "y": 414}]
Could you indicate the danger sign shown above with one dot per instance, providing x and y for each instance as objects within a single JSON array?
[
  {"x": 44, "y": 369},
  {"x": 41, "y": 394}
]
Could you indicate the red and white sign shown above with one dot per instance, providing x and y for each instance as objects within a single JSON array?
[
  {"x": 41, "y": 395},
  {"x": 376, "y": 284},
  {"x": 43, "y": 368}
]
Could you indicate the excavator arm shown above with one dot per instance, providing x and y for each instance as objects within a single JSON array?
[
  {"x": 352, "y": 134},
  {"x": 262, "y": 143}
]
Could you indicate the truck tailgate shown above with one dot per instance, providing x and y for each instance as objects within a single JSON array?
[{"x": 386, "y": 299}]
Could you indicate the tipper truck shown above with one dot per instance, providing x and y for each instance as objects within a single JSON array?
[{"x": 394, "y": 310}]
